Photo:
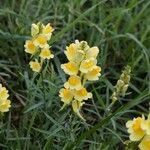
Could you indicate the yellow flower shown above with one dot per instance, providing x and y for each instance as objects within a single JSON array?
[
  {"x": 93, "y": 74},
  {"x": 92, "y": 52},
  {"x": 76, "y": 105},
  {"x": 66, "y": 95},
  {"x": 146, "y": 125},
  {"x": 3, "y": 94},
  {"x": 71, "y": 52},
  {"x": 145, "y": 144},
  {"x": 4, "y": 107},
  {"x": 41, "y": 41},
  {"x": 4, "y": 103},
  {"x": 46, "y": 54},
  {"x": 74, "y": 82},
  {"x": 82, "y": 94},
  {"x": 47, "y": 31},
  {"x": 70, "y": 68},
  {"x": 30, "y": 47},
  {"x": 87, "y": 65},
  {"x": 35, "y": 66},
  {"x": 135, "y": 129},
  {"x": 34, "y": 29}
]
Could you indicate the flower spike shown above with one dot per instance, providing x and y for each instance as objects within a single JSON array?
[
  {"x": 82, "y": 66},
  {"x": 38, "y": 45}
]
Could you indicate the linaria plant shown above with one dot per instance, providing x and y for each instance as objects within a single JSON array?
[
  {"x": 41, "y": 85},
  {"x": 38, "y": 45},
  {"x": 81, "y": 67}
]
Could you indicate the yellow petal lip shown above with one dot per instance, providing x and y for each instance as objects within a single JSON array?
[
  {"x": 87, "y": 65},
  {"x": 82, "y": 94},
  {"x": 94, "y": 74},
  {"x": 74, "y": 82},
  {"x": 135, "y": 129},
  {"x": 66, "y": 95},
  {"x": 41, "y": 41},
  {"x": 70, "y": 68},
  {"x": 4, "y": 107},
  {"x": 145, "y": 143},
  {"x": 46, "y": 54},
  {"x": 47, "y": 29},
  {"x": 30, "y": 47},
  {"x": 35, "y": 66}
]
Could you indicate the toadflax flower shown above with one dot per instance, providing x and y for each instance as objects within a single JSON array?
[
  {"x": 139, "y": 128},
  {"x": 30, "y": 47},
  {"x": 5, "y": 104},
  {"x": 70, "y": 68},
  {"x": 81, "y": 66},
  {"x": 46, "y": 53},
  {"x": 88, "y": 65},
  {"x": 66, "y": 95},
  {"x": 135, "y": 129},
  {"x": 38, "y": 45},
  {"x": 35, "y": 66},
  {"x": 74, "y": 82}
]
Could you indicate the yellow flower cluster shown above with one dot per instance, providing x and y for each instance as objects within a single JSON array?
[
  {"x": 81, "y": 67},
  {"x": 38, "y": 45},
  {"x": 122, "y": 84},
  {"x": 139, "y": 130},
  {"x": 4, "y": 102}
]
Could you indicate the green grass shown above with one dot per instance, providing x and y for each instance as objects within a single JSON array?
[{"x": 120, "y": 28}]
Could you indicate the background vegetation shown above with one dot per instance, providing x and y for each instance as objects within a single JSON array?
[{"x": 120, "y": 28}]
